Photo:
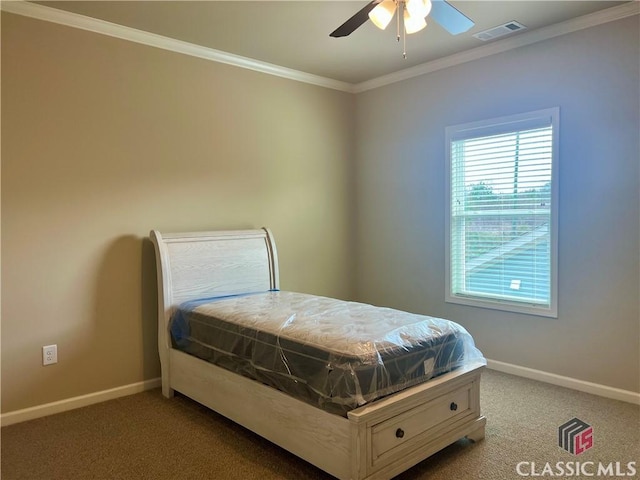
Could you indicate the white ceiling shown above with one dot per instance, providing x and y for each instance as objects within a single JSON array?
[{"x": 295, "y": 34}]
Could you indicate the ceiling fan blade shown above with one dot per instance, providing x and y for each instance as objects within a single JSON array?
[
  {"x": 449, "y": 17},
  {"x": 348, "y": 27}
]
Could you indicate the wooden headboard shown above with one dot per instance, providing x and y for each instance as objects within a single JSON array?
[{"x": 208, "y": 264}]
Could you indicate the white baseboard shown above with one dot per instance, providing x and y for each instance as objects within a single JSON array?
[
  {"x": 568, "y": 382},
  {"x": 97, "y": 397},
  {"x": 38, "y": 411}
]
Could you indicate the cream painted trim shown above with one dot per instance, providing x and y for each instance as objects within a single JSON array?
[
  {"x": 567, "y": 382},
  {"x": 75, "y": 20},
  {"x": 520, "y": 40},
  {"x": 95, "y": 25},
  {"x": 38, "y": 411}
]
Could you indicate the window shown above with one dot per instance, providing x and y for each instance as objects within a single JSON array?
[{"x": 502, "y": 208}]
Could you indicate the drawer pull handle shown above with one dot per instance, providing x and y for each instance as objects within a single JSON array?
[
  {"x": 399, "y": 433},
  {"x": 453, "y": 406}
]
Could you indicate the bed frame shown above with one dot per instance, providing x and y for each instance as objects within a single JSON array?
[{"x": 379, "y": 440}]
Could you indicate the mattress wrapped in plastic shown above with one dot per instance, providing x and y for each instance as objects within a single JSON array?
[{"x": 333, "y": 354}]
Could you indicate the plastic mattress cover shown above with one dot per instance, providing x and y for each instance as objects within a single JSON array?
[{"x": 337, "y": 355}]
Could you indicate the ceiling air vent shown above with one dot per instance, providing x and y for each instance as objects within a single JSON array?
[{"x": 499, "y": 31}]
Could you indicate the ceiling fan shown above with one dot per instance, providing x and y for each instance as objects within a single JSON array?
[{"x": 412, "y": 13}]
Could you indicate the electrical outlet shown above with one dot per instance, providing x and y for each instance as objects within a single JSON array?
[{"x": 49, "y": 354}]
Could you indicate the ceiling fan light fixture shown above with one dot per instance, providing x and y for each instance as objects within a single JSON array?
[
  {"x": 419, "y": 8},
  {"x": 382, "y": 14},
  {"x": 413, "y": 24}
]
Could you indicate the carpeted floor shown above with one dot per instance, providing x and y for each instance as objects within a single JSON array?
[{"x": 146, "y": 436}]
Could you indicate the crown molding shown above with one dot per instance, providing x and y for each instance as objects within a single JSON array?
[
  {"x": 70, "y": 19},
  {"x": 41, "y": 12},
  {"x": 499, "y": 46}
]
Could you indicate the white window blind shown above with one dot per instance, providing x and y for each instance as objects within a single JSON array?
[{"x": 502, "y": 213}]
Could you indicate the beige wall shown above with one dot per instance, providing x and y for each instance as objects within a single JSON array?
[
  {"x": 593, "y": 76},
  {"x": 103, "y": 140}
]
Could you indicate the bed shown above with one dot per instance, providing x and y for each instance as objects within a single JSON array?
[{"x": 355, "y": 417}]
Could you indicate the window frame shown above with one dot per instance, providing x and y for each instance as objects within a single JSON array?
[{"x": 483, "y": 128}]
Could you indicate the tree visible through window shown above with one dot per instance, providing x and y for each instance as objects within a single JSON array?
[{"x": 502, "y": 213}]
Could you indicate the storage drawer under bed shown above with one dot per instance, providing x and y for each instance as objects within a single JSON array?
[
  {"x": 418, "y": 429},
  {"x": 396, "y": 435}
]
